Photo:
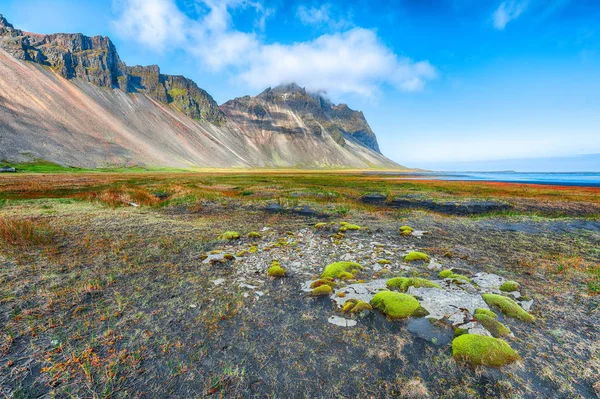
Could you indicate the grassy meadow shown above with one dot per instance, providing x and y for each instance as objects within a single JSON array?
[{"x": 118, "y": 285}]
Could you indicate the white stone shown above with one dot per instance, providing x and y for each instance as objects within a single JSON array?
[
  {"x": 488, "y": 281},
  {"x": 340, "y": 321},
  {"x": 219, "y": 281},
  {"x": 444, "y": 304}
]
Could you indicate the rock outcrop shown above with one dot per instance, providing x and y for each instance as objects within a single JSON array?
[
  {"x": 95, "y": 60},
  {"x": 279, "y": 109}
]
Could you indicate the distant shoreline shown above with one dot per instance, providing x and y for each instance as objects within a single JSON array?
[{"x": 571, "y": 179}]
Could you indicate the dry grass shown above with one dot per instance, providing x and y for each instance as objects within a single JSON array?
[{"x": 25, "y": 233}]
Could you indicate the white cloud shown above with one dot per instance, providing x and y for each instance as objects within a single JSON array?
[
  {"x": 155, "y": 23},
  {"x": 508, "y": 11},
  {"x": 354, "y": 61},
  {"x": 321, "y": 16},
  {"x": 350, "y": 61}
]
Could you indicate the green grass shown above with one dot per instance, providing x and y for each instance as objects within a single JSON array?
[{"x": 42, "y": 166}]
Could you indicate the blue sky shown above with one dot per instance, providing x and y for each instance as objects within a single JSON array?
[{"x": 439, "y": 81}]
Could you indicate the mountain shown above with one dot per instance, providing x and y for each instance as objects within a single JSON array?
[
  {"x": 69, "y": 99},
  {"x": 276, "y": 110}
]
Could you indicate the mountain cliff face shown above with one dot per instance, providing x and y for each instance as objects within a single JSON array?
[
  {"x": 69, "y": 99},
  {"x": 278, "y": 110},
  {"x": 95, "y": 60}
]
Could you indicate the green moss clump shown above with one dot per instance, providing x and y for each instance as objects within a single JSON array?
[
  {"x": 510, "y": 286},
  {"x": 497, "y": 329},
  {"x": 321, "y": 291},
  {"x": 320, "y": 226},
  {"x": 414, "y": 256},
  {"x": 276, "y": 270},
  {"x": 384, "y": 262},
  {"x": 480, "y": 350},
  {"x": 346, "y": 276},
  {"x": 486, "y": 312},
  {"x": 230, "y": 235},
  {"x": 336, "y": 270},
  {"x": 394, "y": 304},
  {"x": 253, "y": 249},
  {"x": 254, "y": 234},
  {"x": 349, "y": 226},
  {"x": 406, "y": 230},
  {"x": 445, "y": 274},
  {"x": 508, "y": 307},
  {"x": 402, "y": 283},
  {"x": 228, "y": 257},
  {"x": 456, "y": 277},
  {"x": 242, "y": 253},
  {"x": 356, "y": 306},
  {"x": 323, "y": 281}
]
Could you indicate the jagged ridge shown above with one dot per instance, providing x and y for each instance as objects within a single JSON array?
[
  {"x": 317, "y": 112},
  {"x": 56, "y": 107},
  {"x": 95, "y": 60}
]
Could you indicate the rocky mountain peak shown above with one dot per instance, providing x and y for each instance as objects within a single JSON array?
[
  {"x": 317, "y": 112},
  {"x": 4, "y": 23},
  {"x": 95, "y": 60}
]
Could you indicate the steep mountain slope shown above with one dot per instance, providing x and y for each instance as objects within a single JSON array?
[{"x": 69, "y": 99}]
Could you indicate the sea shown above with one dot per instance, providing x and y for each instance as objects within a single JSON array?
[{"x": 583, "y": 179}]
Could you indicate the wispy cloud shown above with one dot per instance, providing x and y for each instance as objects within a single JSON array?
[
  {"x": 351, "y": 60},
  {"x": 508, "y": 11},
  {"x": 322, "y": 16}
]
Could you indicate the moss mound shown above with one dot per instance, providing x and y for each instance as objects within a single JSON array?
[
  {"x": 445, "y": 274},
  {"x": 356, "y": 306},
  {"x": 384, "y": 262},
  {"x": 323, "y": 281},
  {"x": 510, "y": 286},
  {"x": 321, "y": 291},
  {"x": 497, "y": 329},
  {"x": 276, "y": 270},
  {"x": 508, "y": 307},
  {"x": 343, "y": 270},
  {"x": 394, "y": 304},
  {"x": 320, "y": 226},
  {"x": 456, "y": 277},
  {"x": 349, "y": 226},
  {"x": 414, "y": 256},
  {"x": 230, "y": 235},
  {"x": 254, "y": 234},
  {"x": 402, "y": 283},
  {"x": 486, "y": 312},
  {"x": 479, "y": 350},
  {"x": 406, "y": 230}
]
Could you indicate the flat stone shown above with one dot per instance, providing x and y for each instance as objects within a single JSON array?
[
  {"x": 488, "y": 281},
  {"x": 457, "y": 306},
  {"x": 219, "y": 281},
  {"x": 341, "y": 322}
]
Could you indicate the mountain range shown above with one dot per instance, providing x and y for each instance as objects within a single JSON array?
[{"x": 69, "y": 99}]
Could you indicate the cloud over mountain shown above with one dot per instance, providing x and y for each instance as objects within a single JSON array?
[{"x": 350, "y": 60}]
